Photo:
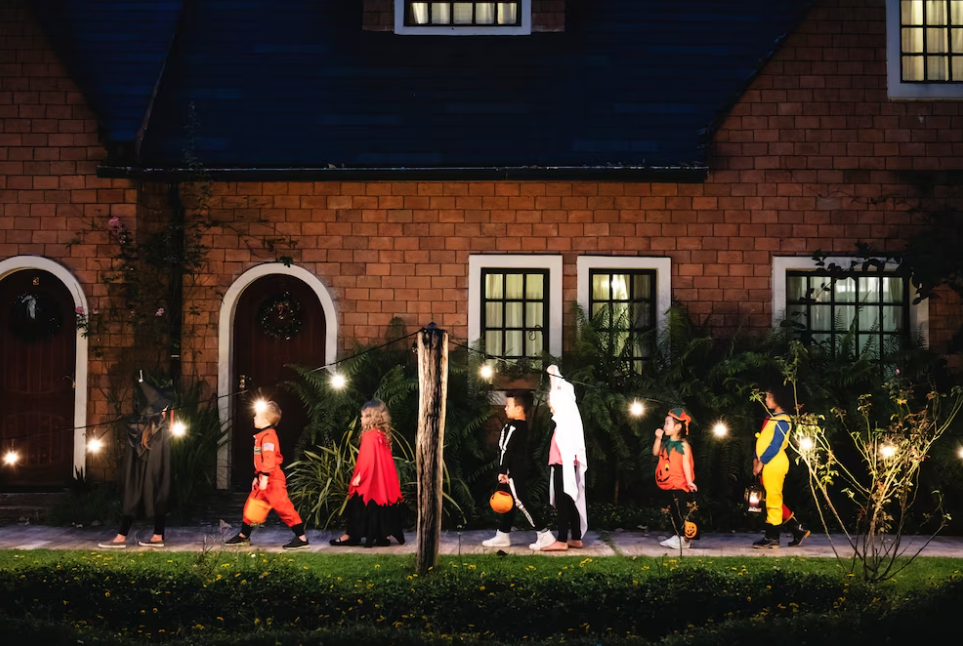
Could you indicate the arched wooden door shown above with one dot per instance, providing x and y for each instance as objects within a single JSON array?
[
  {"x": 38, "y": 346},
  {"x": 261, "y": 351}
]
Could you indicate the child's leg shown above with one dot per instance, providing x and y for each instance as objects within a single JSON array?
[
  {"x": 678, "y": 509},
  {"x": 125, "y": 524},
  {"x": 277, "y": 496},
  {"x": 563, "y": 504},
  {"x": 159, "y": 523},
  {"x": 574, "y": 520}
]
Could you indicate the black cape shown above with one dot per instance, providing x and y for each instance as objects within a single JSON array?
[{"x": 145, "y": 476}]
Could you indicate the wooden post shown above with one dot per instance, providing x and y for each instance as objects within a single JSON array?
[{"x": 429, "y": 451}]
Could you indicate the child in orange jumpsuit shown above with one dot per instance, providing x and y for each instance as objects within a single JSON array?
[{"x": 270, "y": 486}]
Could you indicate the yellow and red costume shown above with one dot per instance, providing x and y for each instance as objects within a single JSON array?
[
  {"x": 771, "y": 443},
  {"x": 267, "y": 462}
]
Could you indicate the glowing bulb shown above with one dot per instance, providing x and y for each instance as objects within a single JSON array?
[
  {"x": 486, "y": 371},
  {"x": 95, "y": 445},
  {"x": 338, "y": 381},
  {"x": 887, "y": 450},
  {"x": 805, "y": 444},
  {"x": 960, "y": 453},
  {"x": 260, "y": 406},
  {"x": 10, "y": 458},
  {"x": 636, "y": 409},
  {"x": 178, "y": 429},
  {"x": 720, "y": 430}
]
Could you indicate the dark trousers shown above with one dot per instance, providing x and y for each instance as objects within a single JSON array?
[
  {"x": 523, "y": 504},
  {"x": 567, "y": 514},
  {"x": 678, "y": 503},
  {"x": 127, "y": 521}
]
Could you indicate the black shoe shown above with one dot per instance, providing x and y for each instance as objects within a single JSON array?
[
  {"x": 238, "y": 540},
  {"x": 378, "y": 542},
  {"x": 297, "y": 544},
  {"x": 799, "y": 534},
  {"x": 348, "y": 543},
  {"x": 766, "y": 544}
]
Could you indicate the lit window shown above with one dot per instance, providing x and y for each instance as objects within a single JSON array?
[
  {"x": 623, "y": 304},
  {"x": 463, "y": 18},
  {"x": 924, "y": 49}
]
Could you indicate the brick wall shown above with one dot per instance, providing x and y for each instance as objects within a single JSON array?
[{"x": 547, "y": 15}]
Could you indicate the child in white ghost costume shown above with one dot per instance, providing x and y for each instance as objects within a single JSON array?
[{"x": 568, "y": 464}]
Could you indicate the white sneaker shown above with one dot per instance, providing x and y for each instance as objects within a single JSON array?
[
  {"x": 675, "y": 543},
  {"x": 501, "y": 539},
  {"x": 544, "y": 539}
]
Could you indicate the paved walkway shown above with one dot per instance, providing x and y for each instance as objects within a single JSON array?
[{"x": 270, "y": 539}]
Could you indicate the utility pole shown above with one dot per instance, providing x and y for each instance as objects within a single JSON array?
[{"x": 429, "y": 451}]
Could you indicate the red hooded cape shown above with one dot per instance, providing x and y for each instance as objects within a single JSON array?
[{"x": 379, "y": 478}]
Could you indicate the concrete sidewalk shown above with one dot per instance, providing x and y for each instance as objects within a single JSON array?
[{"x": 270, "y": 539}]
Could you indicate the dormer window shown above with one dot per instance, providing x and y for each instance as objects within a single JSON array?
[
  {"x": 463, "y": 18},
  {"x": 924, "y": 49}
]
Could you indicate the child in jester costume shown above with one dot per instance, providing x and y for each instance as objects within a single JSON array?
[{"x": 772, "y": 464}]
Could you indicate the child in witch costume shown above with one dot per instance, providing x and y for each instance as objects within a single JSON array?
[
  {"x": 568, "y": 463},
  {"x": 145, "y": 473},
  {"x": 675, "y": 472},
  {"x": 270, "y": 485},
  {"x": 513, "y": 467},
  {"x": 373, "y": 512},
  {"x": 772, "y": 464}
]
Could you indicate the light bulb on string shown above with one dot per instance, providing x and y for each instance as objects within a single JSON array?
[
  {"x": 720, "y": 430},
  {"x": 636, "y": 409},
  {"x": 486, "y": 371},
  {"x": 887, "y": 451},
  {"x": 805, "y": 444},
  {"x": 960, "y": 453},
  {"x": 10, "y": 458},
  {"x": 95, "y": 445},
  {"x": 260, "y": 406},
  {"x": 338, "y": 381},
  {"x": 179, "y": 429}
]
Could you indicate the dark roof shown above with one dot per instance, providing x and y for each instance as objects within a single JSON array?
[{"x": 299, "y": 84}]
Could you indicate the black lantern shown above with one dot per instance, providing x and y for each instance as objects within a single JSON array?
[{"x": 755, "y": 498}]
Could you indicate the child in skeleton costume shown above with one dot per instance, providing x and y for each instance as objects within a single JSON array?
[
  {"x": 568, "y": 464},
  {"x": 771, "y": 463},
  {"x": 513, "y": 466}
]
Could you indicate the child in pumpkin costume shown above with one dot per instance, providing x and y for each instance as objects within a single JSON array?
[{"x": 675, "y": 473}]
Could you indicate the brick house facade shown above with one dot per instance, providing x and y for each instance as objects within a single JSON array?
[{"x": 812, "y": 156}]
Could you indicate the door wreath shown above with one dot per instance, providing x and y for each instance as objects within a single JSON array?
[{"x": 280, "y": 317}]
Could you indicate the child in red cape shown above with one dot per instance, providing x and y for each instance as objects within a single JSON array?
[{"x": 373, "y": 512}]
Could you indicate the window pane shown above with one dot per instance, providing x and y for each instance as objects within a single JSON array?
[
  {"x": 956, "y": 41},
  {"x": 911, "y": 12},
  {"x": 912, "y": 41},
  {"x": 620, "y": 287},
  {"x": 419, "y": 13},
  {"x": 534, "y": 313},
  {"x": 535, "y": 343},
  {"x": 641, "y": 315},
  {"x": 892, "y": 318},
  {"x": 845, "y": 315},
  {"x": 869, "y": 343},
  {"x": 507, "y": 13},
  {"x": 937, "y": 68},
  {"x": 912, "y": 68},
  {"x": 869, "y": 290},
  {"x": 822, "y": 318},
  {"x": 821, "y": 338},
  {"x": 937, "y": 41},
  {"x": 485, "y": 13},
  {"x": 493, "y": 343},
  {"x": 869, "y": 319},
  {"x": 958, "y": 68},
  {"x": 619, "y": 339},
  {"x": 956, "y": 12},
  {"x": 845, "y": 290},
  {"x": 493, "y": 286},
  {"x": 797, "y": 313},
  {"x": 463, "y": 12},
  {"x": 493, "y": 315},
  {"x": 936, "y": 12},
  {"x": 620, "y": 315},
  {"x": 514, "y": 343},
  {"x": 892, "y": 289},
  {"x": 597, "y": 308},
  {"x": 513, "y": 315},
  {"x": 795, "y": 288},
  {"x": 600, "y": 287},
  {"x": 535, "y": 286},
  {"x": 514, "y": 285},
  {"x": 642, "y": 284},
  {"x": 440, "y": 13}
]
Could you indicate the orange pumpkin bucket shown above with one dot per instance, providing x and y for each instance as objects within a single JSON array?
[
  {"x": 501, "y": 502},
  {"x": 256, "y": 511}
]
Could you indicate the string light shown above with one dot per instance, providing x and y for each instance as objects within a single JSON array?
[
  {"x": 960, "y": 453},
  {"x": 805, "y": 444},
  {"x": 10, "y": 458},
  {"x": 178, "y": 429},
  {"x": 887, "y": 451},
  {"x": 636, "y": 409},
  {"x": 95, "y": 445},
  {"x": 338, "y": 381},
  {"x": 720, "y": 430},
  {"x": 260, "y": 406},
  {"x": 486, "y": 371}
]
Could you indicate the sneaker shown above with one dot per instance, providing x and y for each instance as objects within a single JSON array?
[
  {"x": 111, "y": 545},
  {"x": 543, "y": 540},
  {"x": 799, "y": 536},
  {"x": 238, "y": 540},
  {"x": 151, "y": 543},
  {"x": 500, "y": 539},
  {"x": 296, "y": 544},
  {"x": 766, "y": 544}
]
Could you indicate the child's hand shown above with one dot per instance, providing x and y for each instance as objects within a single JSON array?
[
  {"x": 692, "y": 486},
  {"x": 262, "y": 482},
  {"x": 356, "y": 481},
  {"x": 659, "y": 433},
  {"x": 503, "y": 478}
]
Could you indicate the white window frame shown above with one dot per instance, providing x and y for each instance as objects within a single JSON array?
[
  {"x": 553, "y": 264},
  {"x": 919, "y": 313},
  {"x": 524, "y": 29},
  {"x": 895, "y": 87},
  {"x": 663, "y": 280}
]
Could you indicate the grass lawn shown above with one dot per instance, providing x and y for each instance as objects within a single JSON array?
[{"x": 249, "y": 597}]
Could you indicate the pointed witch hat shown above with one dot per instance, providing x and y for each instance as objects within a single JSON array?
[{"x": 157, "y": 399}]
